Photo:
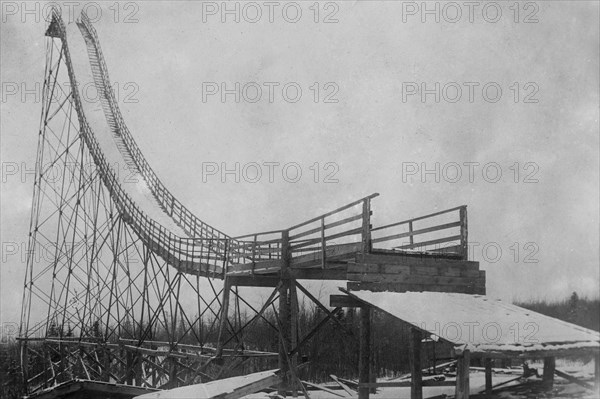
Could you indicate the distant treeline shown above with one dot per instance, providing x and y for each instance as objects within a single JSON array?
[
  {"x": 584, "y": 312},
  {"x": 334, "y": 348}
]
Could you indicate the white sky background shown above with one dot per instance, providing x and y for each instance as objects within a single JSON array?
[{"x": 369, "y": 133}]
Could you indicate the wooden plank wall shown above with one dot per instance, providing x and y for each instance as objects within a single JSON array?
[{"x": 399, "y": 273}]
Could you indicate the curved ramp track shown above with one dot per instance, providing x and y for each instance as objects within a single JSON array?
[
  {"x": 129, "y": 149},
  {"x": 205, "y": 249}
]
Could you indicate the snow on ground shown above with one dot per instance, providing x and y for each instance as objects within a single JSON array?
[{"x": 562, "y": 388}]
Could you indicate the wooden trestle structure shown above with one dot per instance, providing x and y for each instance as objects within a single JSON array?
[{"x": 106, "y": 305}]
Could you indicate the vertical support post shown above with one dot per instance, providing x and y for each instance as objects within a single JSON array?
[
  {"x": 294, "y": 333},
  {"x": 172, "y": 373},
  {"x": 416, "y": 378},
  {"x": 434, "y": 358},
  {"x": 155, "y": 379},
  {"x": 105, "y": 362},
  {"x": 597, "y": 372},
  {"x": 25, "y": 365},
  {"x": 138, "y": 373},
  {"x": 129, "y": 372},
  {"x": 223, "y": 317},
  {"x": 462, "y": 376},
  {"x": 284, "y": 311},
  {"x": 548, "y": 376},
  {"x": 488, "y": 375},
  {"x": 364, "y": 357},
  {"x": 464, "y": 233},
  {"x": 366, "y": 226},
  {"x": 410, "y": 230}
]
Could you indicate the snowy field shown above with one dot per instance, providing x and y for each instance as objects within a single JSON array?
[{"x": 562, "y": 388}]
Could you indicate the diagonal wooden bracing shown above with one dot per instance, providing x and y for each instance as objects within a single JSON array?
[{"x": 109, "y": 294}]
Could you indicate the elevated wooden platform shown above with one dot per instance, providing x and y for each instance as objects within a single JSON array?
[{"x": 343, "y": 245}]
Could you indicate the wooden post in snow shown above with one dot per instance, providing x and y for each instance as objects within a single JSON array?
[
  {"x": 416, "y": 378},
  {"x": 597, "y": 372},
  {"x": 548, "y": 376},
  {"x": 462, "y": 376},
  {"x": 294, "y": 333},
  {"x": 488, "y": 375},
  {"x": 364, "y": 357}
]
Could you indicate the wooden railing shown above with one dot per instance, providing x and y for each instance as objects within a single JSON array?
[
  {"x": 351, "y": 225},
  {"x": 256, "y": 247},
  {"x": 344, "y": 225},
  {"x": 436, "y": 234}
]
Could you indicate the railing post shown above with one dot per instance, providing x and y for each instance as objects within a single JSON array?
[
  {"x": 225, "y": 258},
  {"x": 323, "y": 244},
  {"x": 410, "y": 230},
  {"x": 366, "y": 225},
  {"x": 464, "y": 240},
  {"x": 254, "y": 253}
]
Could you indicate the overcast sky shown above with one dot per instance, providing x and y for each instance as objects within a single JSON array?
[{"x": 370, "y": 123}]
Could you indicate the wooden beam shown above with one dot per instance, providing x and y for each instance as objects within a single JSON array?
[
  {"x": 406, "y": 383},
  {"x": 315, "y": 330},
  {"x": 574, "y": 380},
  {"x": 344, "y": 386},
  {"x": 364, "y": 357},
  {"x": 322, "y": 307},
  {"x": 351, "y": 383},
  {"x": 413, "y": 259},
  {"x": 329, "y": 273},
  {"x": 404, "y": 287},
  {"x": 416, "y": 377},
  {"x": 344, "y": 301},
  {"x": 462, "y": 376},
  {"x": 488, "y": 375},
  {"x": 223, "y": 317},
  {"x": 322, "y": 388},
  {"x": 548, "y": 376},
  {"x": 253, "y": 281}
]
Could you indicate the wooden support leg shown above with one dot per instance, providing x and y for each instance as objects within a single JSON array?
[
  {"x": 548, "y": 376},
  {"x": 223, "y": 318},
  {"x": 173, "y": 374},
  {"x": 488, "y": 375},
  {"x": 416, "y": 378},
  {"x": 129, "y": 361},
  {"x": 462, "y": 376},
  {"x": 597, "y": 373},
  {"x": 364, "y": 359},
  {"x": 25, "y": 365},
  {"x": 294, "y": 333},
  {"x": 284, "y": 316}
]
